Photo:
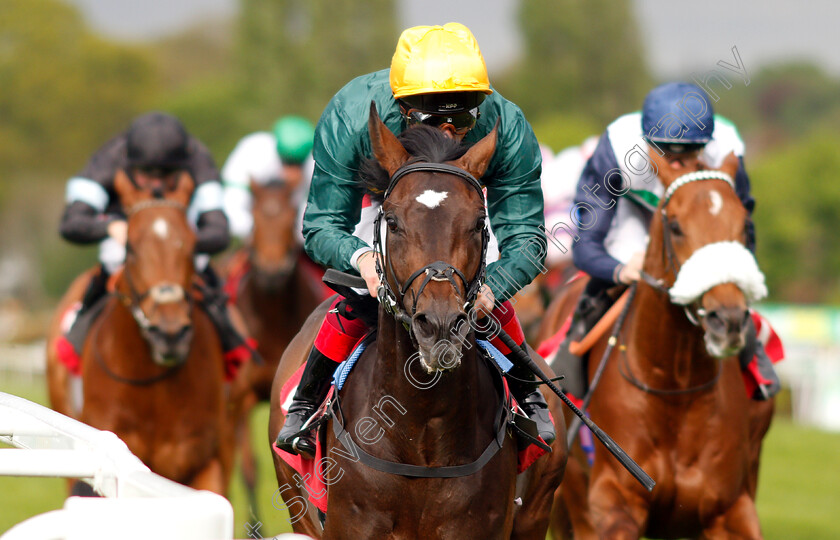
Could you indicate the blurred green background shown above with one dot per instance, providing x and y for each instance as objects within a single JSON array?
[{"x": 66, "y": 89}]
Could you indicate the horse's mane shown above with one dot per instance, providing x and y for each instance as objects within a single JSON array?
[{"x": 423, "y": 143}]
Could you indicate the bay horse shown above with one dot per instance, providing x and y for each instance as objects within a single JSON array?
[
  {"x": 152, "y": 366},
  {"x": 274, "y": 287},
  {"x": 671, "y": 392},
  {"x": 423, "y": 427}
]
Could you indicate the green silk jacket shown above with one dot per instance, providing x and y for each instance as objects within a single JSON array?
[{"x": 514, "y": 194}]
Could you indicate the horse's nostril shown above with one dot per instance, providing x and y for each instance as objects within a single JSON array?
[
  {"x": 459, "y": 326},
  {"x": 715, "y": 322},
  {"x": 423, "y": 326}
]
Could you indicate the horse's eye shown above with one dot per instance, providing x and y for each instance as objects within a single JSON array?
[
  {"x": 675, "y": 228},
  {"x": 392, "y": 223},
  {"x": 479, "y": 224}
]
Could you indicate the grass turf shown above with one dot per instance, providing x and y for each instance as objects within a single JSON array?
[{"x": 798, "y": 493}]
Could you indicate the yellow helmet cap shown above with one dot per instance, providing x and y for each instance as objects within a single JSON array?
[{"x": 431, "y": 59}]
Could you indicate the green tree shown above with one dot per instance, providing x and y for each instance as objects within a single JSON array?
[
  {"x": 64, "y": 90},
  {"x": 582, "y": 57},
  {"x": 295, "y": 54},
  {"x": 797, "y": 221}
]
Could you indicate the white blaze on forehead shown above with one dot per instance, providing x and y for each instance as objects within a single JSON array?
[
  {"x": 160, "y": 228},
  {"x": 716, "y": 202},
  {"x": 432, "y": 198}
]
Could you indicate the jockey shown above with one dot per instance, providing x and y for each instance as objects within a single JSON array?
[
  {"x": 438, "y": 78},
  {"x": 284, "y": 156},
  {"x": 153, "y": 152},
  {"x": 677, "y": 119}
]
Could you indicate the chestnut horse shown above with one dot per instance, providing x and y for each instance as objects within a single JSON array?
[
  {"x": 448, "y": 423},
  {"x": 671, "y": 392},
  {"x": 152, "y": 367},
  {"x": 274, "y": 291}
]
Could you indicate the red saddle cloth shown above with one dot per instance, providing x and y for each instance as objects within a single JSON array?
[
  {"x": 314, "y": 474},
  {"x": 67, "y": 355}
]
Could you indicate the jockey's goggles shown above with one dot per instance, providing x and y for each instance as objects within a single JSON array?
[
  {"x": 462, "y": 121},
  {"x": 158, "y": 172},
  {"x": 679, "y": 148}
]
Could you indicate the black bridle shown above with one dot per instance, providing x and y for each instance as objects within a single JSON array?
[{"x": 435, "y": 271}]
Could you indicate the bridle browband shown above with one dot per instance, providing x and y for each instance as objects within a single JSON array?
[{"x": 435, "y": 271}]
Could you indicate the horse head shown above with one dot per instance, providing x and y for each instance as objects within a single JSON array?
[
  {"x": 274, "y": 245},
  {"x": 434, "y": 219},
  {"x": 159, "y": 267},
  {"x": 702, "y": 226}
]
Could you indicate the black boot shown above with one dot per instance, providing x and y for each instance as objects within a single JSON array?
[
  {"x": 754, "y": 348},
  {"x": 593, "y": 303},
  {"x": 525, "y": 388},
  {"x": 215, "y": 305},
  {"x": 96, "y": 290},
  {"x": 314, "y": 383}
]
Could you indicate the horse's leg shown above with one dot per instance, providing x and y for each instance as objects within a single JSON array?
[
  {"x": 211, "y": 478},
  {"x": 248, "y": 458},
  {"x": 544, "y": 476},
  {"x": 617, "y": 512},
  {"x": 570, "y": 517},
  {"x": 761, "y": 414},
  {"x": 740, "y": 521}
]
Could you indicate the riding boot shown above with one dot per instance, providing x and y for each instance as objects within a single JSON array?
[
  {"x": 311, "y": 391},
  {"x": 236, "y": 347},
  {"x": 524, "y": 386},
  {"x": 754, "y": 349},
  {"x": 96, "y": 290},
  {"x": 593, "y": 303}
]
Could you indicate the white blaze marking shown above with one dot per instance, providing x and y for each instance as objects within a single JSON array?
[
  {"x": 432, "y": 198},
  {"x": 717, "y": 202},
  {"x": 160, "y": 228}
]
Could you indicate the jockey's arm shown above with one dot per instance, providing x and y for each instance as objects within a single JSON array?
[
  {"x": 207, "y": 205},
  {"x": 81, "y": 223},
  {"x": 589, "y": 253},
  {"x": 335, "y": 200},
  {"x": 515, "y": 206},
  {"x": 88, "y": 196}
]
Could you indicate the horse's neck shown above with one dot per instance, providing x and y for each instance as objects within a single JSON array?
[
  {"x": 455, "y": 410},
  {"x": 664, "y": 349}
]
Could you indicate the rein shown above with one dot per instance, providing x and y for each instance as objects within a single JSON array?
[
  {"x": 435, "y": 271},
  {"x": 133, "y": 382},
  {"x": 502, "y": 422},
  {"x": 627, "y": 373}
]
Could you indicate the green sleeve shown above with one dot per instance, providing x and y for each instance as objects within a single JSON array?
[
  {"x": 515, "y": 205},
  {"x": 335, "y": 200}
]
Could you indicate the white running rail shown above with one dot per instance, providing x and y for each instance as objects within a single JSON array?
[{"x": 138, "y": 504}]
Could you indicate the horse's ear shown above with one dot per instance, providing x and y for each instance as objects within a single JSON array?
[
  {"x": 389, "y": 152},
  {"x": 477, "y": 158},
  {"x": 730, "y": 165},
  {"x": 125, "y": 188},
  {"x": 183, "y": 189}
]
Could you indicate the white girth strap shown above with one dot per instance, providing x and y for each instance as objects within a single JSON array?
[{"x": 714, "y": 264}]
